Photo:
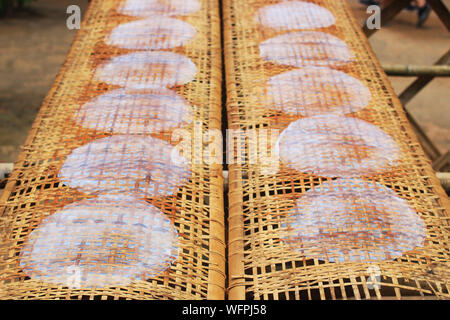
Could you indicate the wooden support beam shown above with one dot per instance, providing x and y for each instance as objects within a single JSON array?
[
  {"x": 400, "y": 70},
  {"x": 444, "y": 178},
  {"x": 409, "y": 93},
  {"x": 422, "y": 81},
  {"x": 387, "y": 14},
  {"x": 442, "y": 162},
  {"x": 442, "y": 12},
  {"x": 430, "y": 149}
]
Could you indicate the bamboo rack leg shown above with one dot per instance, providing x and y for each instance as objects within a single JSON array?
[
  {"x": 444, "y": 177},
  {"x": 236, "y": 280},
  {"x": 422, "y": 81},
  {"x": 416, "y": 70},
  {"x": 441, "y": 11},
  {"x": 410, "y": 93},
  {"x": 440, "y": 163}
]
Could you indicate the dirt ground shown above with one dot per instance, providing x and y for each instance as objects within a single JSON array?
[{"x": 33, "y": 47}]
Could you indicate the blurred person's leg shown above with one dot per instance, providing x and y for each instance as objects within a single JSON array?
[
  {"x": 421, "y": 3},
  {"x": 422, "y": 7},
  {"x": 423, "y": 12}
]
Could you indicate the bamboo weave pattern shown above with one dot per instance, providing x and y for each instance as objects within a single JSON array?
[
  {"x": 103, "y": 203},
  {"x": 352, "y": 209}
]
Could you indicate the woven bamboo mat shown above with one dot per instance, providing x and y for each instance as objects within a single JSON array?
[
  {"x": 95, "y": 208},
  {"x": 354, "y": 210}
]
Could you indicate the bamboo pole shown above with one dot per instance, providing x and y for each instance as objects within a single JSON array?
[
  {"x": 444, "y": 177},
  {"x": 442, "y": 12},
  {"x": 417, "y": 70},
  {"x": 422, "y": 81}
]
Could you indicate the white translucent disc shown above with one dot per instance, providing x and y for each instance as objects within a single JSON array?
[
  {"x": 306, "y": 48},
  {"x": 291, "y": 15},
  {"x": 149, "y": 69},
  {"x": 141, "y": 166},
  {"x": 135, "y": 112},
  {"x": 333, "y": 146},
  {"x": 353, "y": 220},
  {"x": 156, "y": 33},
  {"x": 108, "y": 241},
  {"x": 313, "y": 91}
]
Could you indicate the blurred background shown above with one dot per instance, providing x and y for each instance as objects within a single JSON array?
[{"x": 34, "y": 41}]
